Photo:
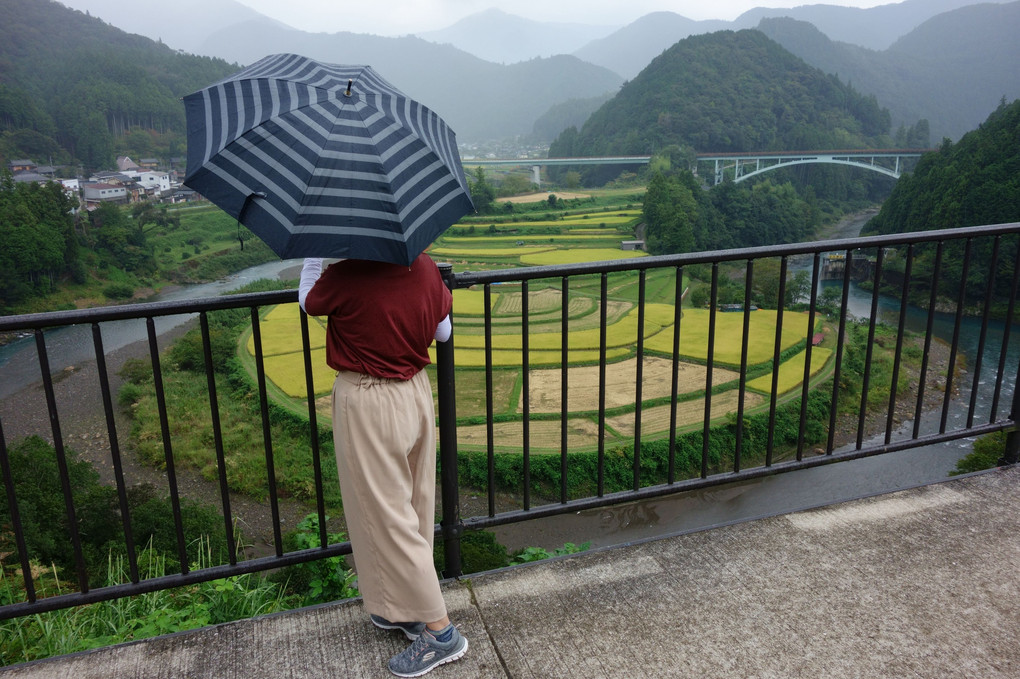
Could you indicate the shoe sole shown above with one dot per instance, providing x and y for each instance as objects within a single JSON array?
[
  {"x": 450, "y": 658},
  {"x": 411, "y": 636}
]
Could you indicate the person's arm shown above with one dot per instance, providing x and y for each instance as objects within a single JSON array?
[
  {"x": 310, "y": 272},
  {"x": 444, "y": 329}
]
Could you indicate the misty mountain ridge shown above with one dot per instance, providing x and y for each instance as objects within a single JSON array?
[
  {"x": 481, "y": 100},
  {"x": 630, "y": 49},
  {"x": 728, "y": 91},
  {"x": 952, "y": 70},
  {"x": 484, "y": 100},
  {"x": 504, "y": 38},
  {"x": 474, "y": 50},
  {"x": 501, "y": 37},
  {"x": 178, "y": 27}
]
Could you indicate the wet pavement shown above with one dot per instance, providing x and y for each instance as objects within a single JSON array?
[{"x": 916, "y": 583}]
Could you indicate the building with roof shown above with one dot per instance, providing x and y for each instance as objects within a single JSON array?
[
  {"x": 98, "y": 192},
  {"x": 21, "y": 165}
]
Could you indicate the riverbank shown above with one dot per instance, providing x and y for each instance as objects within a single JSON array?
[{"x": 84, "y": 430}]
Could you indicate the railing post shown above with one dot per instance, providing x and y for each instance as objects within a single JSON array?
[
  {"x": 1012, "y": 453},
  {"x": 451, "y": 524}
]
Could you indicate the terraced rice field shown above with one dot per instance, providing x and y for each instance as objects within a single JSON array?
[{"x": 579, "y": 239}]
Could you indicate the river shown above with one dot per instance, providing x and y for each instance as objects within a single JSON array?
[{"x": 70, "y": 346}]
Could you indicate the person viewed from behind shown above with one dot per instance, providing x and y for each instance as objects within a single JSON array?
[{"x": 381, "y": 319}]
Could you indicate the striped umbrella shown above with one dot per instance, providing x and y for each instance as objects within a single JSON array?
[{"x": 325, "y": 160}]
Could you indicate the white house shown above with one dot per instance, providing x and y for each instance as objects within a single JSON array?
[
  {"x": 105, "y": 193},
  {"x": 157, "y": 183}
]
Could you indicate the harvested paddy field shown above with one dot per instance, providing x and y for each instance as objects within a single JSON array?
[{"x": 621, "y": 381}]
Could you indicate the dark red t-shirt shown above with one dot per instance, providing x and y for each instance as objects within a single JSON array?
[{"x": 381, "y": 317}]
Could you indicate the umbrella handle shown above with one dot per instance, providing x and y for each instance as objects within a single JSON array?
[{"x": 244, "y": 209}]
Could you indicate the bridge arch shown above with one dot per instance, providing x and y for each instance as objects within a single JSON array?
[{"x": 888, "y": 162}]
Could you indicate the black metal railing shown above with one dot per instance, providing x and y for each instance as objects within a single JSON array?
[{"x": 926, "y": 267}]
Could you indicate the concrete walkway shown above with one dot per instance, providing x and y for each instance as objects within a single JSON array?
[{"x": 919, "y": 583}]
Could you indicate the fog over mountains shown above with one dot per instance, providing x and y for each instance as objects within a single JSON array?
[{"x": 492, "y": 74}]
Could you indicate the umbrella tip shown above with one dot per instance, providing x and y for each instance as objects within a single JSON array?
[{"x": 348, "y": 92}]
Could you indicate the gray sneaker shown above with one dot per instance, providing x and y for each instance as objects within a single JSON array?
[
  {"x": 427, "y": 653},
  {"x": 411, "y": 630}
]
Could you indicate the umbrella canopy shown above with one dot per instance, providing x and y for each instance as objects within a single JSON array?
[{"x": 325, "y": 160}]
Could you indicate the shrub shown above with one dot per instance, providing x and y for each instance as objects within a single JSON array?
[
  {"x": 43, "y": 513},
  {"x": 189, "y": 352},
  {"x": 100, "y": 527},
  {"x": 529, "y": 554},
  {"x": 317, "y": 581},
  {"x": 988, "y": 451},
  {"x": 119, "y": 291}
]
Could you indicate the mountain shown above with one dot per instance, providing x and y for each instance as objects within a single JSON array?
[
  {"x": 71, "y": 86},
  {"x": 479, "y": 99},
  {"x": 629, "y": 49},
  {"x": 972, "y": 182},
  {"x": 183, "y": 25},
  {"x": 728, "y": 91},
  {"x": 571, "y": 113},
  {"x": 952, "y": 70},
  {"x": 503, "y": 38},
  {"x": 875, "y": 28}
]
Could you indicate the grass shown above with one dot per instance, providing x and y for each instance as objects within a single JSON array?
[
  {"x": 472, "y": 302},
  {"x": 657, "y": 289},
  {"x": 81, "y": 628},
  {"x": 586, "y": 236},
  {"x": 191, "y": 430}
]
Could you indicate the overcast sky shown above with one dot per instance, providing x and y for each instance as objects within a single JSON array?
[{"x": 401, "y": 17}]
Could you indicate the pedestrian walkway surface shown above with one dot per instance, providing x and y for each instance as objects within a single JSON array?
[{"x": 918, "y": 583}]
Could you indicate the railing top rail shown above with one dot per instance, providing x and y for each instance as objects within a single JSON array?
[
  {"x": 51, "y": 319},
  {"x": 469, "y": 278}
]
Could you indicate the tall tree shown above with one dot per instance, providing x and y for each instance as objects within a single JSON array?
[{"x": 670, "y": 213}]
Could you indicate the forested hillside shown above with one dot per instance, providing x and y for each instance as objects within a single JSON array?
[
  {"x": 729, "y": 91},
  {"x": 972, "y": 182},
  {"x": 75, "y": 90}
]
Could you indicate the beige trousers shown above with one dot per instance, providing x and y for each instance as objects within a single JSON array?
[{"x": 384, "y": 433}]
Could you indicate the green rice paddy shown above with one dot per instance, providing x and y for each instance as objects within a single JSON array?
[{"x": 596, "y": 236}]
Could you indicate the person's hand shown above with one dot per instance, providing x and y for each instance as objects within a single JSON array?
[
  {"x": 311, "y": 269},
  {"x": 444, "y": 329}
]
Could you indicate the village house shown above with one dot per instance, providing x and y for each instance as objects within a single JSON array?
[
  {"x": 21, "y": 165},
  {"x": 98, "y": 192},
  {"x": 125, "y": 163},
  {"x": 30, "y": 176},
  {"x": 156, "y": 184}
]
